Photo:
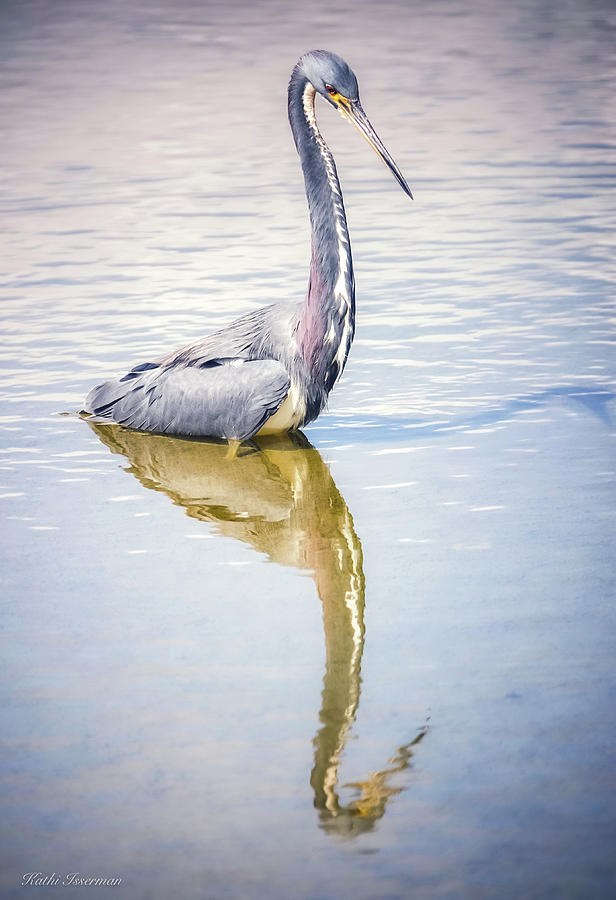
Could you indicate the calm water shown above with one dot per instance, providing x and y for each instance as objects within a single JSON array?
[{"x": 377, "y": 661}]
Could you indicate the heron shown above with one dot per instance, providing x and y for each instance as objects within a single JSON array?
[{"x": 270, "y": 371}]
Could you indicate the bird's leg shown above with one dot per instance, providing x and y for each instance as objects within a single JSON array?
[{"x": 233, "y": 450}]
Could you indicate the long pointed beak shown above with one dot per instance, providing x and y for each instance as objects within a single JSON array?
[{"x": 353, "y": 111}]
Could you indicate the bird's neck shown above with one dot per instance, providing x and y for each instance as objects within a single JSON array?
[{"x": 327, "y": 319}]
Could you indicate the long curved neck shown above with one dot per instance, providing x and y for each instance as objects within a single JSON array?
[{"x": 327, "y": 320}]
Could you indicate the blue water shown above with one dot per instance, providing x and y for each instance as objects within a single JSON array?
[{"x": 377, "y": 663}]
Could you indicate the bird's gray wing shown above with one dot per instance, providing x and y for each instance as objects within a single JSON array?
[{"x": 227, "y": 397}]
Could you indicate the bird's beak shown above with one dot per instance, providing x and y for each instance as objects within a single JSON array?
[{"x": 353, "y": 111}]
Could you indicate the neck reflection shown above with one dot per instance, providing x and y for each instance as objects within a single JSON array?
[{"x": 281, "y": 499}]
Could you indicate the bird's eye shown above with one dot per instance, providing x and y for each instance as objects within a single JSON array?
[{"x": 330, "y": 89}]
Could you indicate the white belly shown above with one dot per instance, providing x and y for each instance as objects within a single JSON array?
[{"x": 288, "y": 415}]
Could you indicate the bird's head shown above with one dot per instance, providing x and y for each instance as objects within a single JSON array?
[
  {"x": 330, "y": 76},
  {"x": 336, "y": 82}
]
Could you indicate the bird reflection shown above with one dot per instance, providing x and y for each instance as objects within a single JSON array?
[{"x": 280, "y": 498}]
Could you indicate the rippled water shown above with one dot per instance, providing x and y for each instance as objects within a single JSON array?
[{"x": 374, "y": 663}]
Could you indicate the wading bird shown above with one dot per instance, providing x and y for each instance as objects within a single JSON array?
[{"x": 272, "y": 370}]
